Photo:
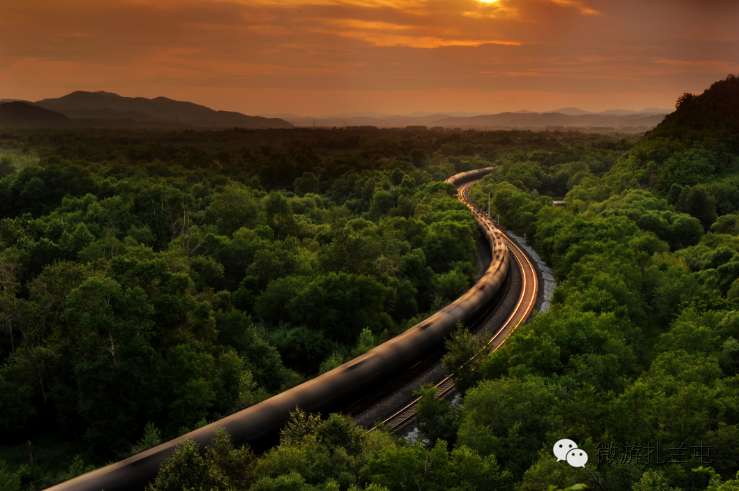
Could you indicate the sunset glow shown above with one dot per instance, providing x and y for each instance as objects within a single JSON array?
[{"x": 328, "y": 56}]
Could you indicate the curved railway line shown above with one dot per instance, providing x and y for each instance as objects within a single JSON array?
[
  {"x": 343, "y": 386},
  {"x": 526, "y": 300}
]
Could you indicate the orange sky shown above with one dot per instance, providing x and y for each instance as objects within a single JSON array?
[{"x": 316, "y": 57}]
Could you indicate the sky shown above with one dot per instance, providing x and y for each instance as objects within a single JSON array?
[{"x": 318, "y": 57}]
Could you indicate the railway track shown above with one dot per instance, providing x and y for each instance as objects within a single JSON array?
[{"x": 526, "y": 300}]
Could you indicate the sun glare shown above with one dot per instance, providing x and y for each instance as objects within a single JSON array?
[{"x": 487, "y": 1}]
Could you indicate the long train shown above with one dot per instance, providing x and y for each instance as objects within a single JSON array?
[{"x": 327, "y": 390}]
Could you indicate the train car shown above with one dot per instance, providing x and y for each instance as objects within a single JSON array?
[
  {"x": 472, "y": 175},
  {"x": 328, "y": 390}
]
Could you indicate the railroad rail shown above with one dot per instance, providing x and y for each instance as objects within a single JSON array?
[{"x": 521, "y": 312}]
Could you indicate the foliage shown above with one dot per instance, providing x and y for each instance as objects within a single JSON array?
[
  {"x": 329, "y": 455},
  {"x": 160, "y": 280},
  {"x": 639, "y": 345},
  {"x": 9, "y": 481},
  {"x": 152, "y": 437},
  {"x": 693, "y": 145},
  {"x": 146, "y": 288},
  {"x": 436, "y": 418},
  {"x": 465, "y": 353}
]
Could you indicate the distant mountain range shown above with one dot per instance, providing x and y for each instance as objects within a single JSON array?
[
  {"x": 107, "y": 110},
  {"x": 569, "y": 117},
  {"x": 573, "y": 111},
  {"x": 569, "y": 111}
]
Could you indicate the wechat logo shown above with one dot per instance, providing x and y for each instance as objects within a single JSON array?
[{"x": 567, "y": 450}]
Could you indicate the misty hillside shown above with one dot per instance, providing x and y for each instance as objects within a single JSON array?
[
  {"x": 570, "y": 111},
  {"x": 617, "y": 119},
  {"x": 19, "y": 114},
  {"x": 93, "y": 106},
  {"x": 543, "y": 120}
]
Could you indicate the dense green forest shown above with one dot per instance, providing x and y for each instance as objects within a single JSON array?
[
  {"x": 152, "y": 282},
  {"x": 640, "y": 346},
  {"x": 637, "y": 361},
  {"x": 194, "y": 251}
]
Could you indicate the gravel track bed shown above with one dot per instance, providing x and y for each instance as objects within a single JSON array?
[{"x": 547, "y": 283}]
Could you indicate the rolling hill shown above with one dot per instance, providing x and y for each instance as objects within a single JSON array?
[
  {"x": 95, "y": 107},
  {"x": 696, "y": 144},
  {"x": 20, "y": 114}
]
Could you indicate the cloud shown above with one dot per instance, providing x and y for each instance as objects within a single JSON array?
[
  {"x": 234, "y": 54},
  {"x": 380, "y": 33},
  {"x": 714, "y": 66},
  {"x": 577, "y": 5}
]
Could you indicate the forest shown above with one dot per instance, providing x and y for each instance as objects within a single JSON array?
[{"x": 156, "y": 281}]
